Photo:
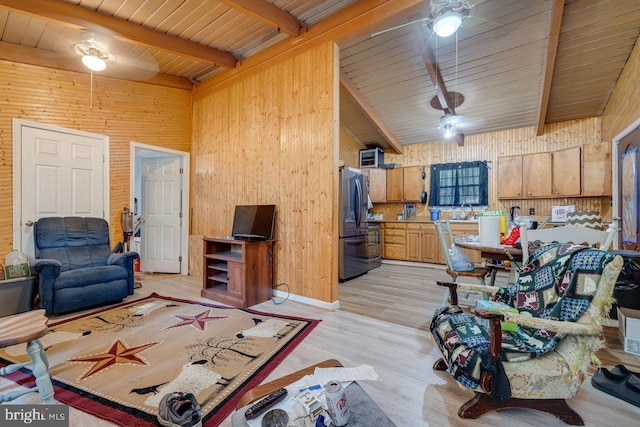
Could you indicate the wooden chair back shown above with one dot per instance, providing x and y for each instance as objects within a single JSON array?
[{"x": 566, "y": 234}]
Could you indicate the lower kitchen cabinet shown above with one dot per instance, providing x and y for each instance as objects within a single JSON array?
[
  {"x": 418, "y": 241},
  {"x": 423, "y": 244},
  {"x": 394, "y": 241}
]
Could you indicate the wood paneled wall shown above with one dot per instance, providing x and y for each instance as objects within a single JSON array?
[
  {"x": 489, "y": 147},
  {"x": 623, "y": 107},
  {"x": 124, "y": 111},
  {"x": 272, "y": 138},
  {"x": 349, "y": 149}
]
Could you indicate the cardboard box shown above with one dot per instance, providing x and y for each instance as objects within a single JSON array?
[
  {"x": 629, "y": 329},
  {"x": 497, "y": 306},
  {"x": 16, "y": 271}
]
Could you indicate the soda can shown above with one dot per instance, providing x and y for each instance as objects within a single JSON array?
[{"x": 337, "y": 403}]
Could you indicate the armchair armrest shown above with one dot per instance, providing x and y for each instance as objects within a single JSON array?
[
  {"x": 122, "y": 259},
  {"x": 47, "y": 271},
  {"x": 558, "y": 326},
  {"x": 453, "y": 287},
  {"x": 39, "y": 265}
]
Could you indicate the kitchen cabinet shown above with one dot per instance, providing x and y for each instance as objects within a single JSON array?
[
  {"x": 377, "y": 185},
  {"x": 395, "y": 185},
  {"x": 583, "y": 171},
  {"x": 412, "y": 183},
  {"x": 596, "y": 170},
  {"x": 394, "y": 240},
  {"x": 566, "y": 172},
  {"x": 536, "y": 175},
  {"x": 418, "y": 241},
  {"x": 423, "y": 244},
  {"x": 525, "y": 176},
  {"x": 510, "y": 177}
]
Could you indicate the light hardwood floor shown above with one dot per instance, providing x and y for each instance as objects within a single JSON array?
[{"x": 383, "y": 322}]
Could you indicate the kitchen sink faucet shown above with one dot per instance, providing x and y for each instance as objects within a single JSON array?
[{"x": 462, "y": 213}]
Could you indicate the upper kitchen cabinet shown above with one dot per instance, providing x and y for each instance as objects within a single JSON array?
[
  {"x": 596, "y": 170},
  {"x": 567, "y": 167},
  {"x": 395, "y": 185},
  {"x": 412, "y": 183},
  {"x": 525, "y": 176},
  {"x": 583, "y": 171},
  {"x": 377, "y": 185},
  {"x": 536, "y": 175},
  {"x": 510, "y": 177}
]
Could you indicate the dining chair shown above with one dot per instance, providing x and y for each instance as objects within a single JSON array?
[{"x": 445, "y": 236}]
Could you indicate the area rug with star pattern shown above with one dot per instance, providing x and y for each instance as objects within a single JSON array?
[{"x": 118, "y": 363}]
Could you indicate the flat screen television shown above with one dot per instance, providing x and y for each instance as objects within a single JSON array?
[{"x": 254, "y": 222}]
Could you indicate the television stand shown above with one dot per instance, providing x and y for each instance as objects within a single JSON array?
[{"x": 237, "y": 272}]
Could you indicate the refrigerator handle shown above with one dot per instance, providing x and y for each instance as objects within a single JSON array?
[{"x": 358, "y": 202}]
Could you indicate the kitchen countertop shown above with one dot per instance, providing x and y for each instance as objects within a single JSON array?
[{"x": 425, "y": 220}]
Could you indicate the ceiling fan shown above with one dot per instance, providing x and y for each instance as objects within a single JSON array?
[
  {"x": 444, "y": 18},
  {"x": 99, "y": 51}
]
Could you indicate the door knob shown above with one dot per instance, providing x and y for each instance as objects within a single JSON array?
[
  {"x": 142, "y": 221},
  {"x": 28, "y": 223}
]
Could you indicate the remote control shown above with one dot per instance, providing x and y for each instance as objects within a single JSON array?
[{"x": 262, "y": 405}]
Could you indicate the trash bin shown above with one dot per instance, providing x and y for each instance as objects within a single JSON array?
[
  {"x": 16, "y": 295},
  {"x": 627, "y": 288}
]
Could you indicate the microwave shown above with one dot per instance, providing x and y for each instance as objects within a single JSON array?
[{"x": 371, "y": 158}]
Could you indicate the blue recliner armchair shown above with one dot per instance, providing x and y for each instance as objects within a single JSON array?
[{"x": 75, "y": 267}]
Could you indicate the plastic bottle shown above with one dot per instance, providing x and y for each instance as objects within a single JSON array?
[{"x": 14, "y": 260}]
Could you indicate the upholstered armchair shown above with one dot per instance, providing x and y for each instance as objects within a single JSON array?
[
  {"x": 75, "y": 267},
  {"x": 561, "y": 296}
]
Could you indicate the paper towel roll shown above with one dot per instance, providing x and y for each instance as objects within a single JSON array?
[{"x": 489, "y": 229}]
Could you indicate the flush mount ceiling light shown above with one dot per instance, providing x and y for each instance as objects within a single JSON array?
[{"x": 447, "y": 23}]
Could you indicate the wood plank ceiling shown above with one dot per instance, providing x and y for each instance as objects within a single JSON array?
[{"x": 512, "y": 63}]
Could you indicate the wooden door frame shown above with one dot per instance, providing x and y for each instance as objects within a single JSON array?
[
  {"x": 17, "y": 125},
  {"x": 185, "y": 158},
  {"x": 614, "y": 170}
]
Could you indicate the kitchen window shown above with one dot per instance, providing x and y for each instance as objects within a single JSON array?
[{"x": 455, "y": 184}]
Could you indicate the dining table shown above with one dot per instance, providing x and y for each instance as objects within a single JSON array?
[{"x": 499, "y": 252}]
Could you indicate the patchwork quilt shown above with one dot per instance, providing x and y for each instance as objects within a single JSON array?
[{"x": 559, "y": 284}]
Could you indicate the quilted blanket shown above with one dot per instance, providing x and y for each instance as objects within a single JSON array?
[{"x": 559, "y": 283}]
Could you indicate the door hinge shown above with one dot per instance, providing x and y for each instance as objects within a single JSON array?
[
  {"x": 181, "y": 171},
  {"x": 180, "y": 258},
  {"x": 180, "y": 214}
]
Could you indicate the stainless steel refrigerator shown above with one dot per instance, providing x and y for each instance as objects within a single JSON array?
[{"x": 354, "y": 192}]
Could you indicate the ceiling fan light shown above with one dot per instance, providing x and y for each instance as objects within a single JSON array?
[
  {"x": 94, "y": 63},
  {"x": 448, "y": 132},
  {"x": 447, "y": 23}
]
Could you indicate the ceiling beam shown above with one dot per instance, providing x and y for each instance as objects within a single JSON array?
[
  {"x": 269, "y": 14},
  {"x": 50, "y": 59},
  {"x": 436, "y": 78},
  {"x": 552, "y": 50},
  {"x": 74, "y": 16},
  {"x": 368, "y": 111},
  {"x": 355, "y": 18}
]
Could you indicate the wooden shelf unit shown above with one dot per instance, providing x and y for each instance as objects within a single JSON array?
[{"x": 237, "y": 272}]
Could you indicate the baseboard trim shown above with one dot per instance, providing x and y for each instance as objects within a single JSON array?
[{"x": 333, "y": 306}]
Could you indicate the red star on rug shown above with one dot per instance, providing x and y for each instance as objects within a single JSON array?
[
  {"x": 118, "y": 354},
  {"x": 199, "y": 321}
]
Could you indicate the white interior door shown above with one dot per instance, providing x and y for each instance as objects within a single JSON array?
[
  {"x": 62, "y": 174},
  {"x": 160, "y": 216}
]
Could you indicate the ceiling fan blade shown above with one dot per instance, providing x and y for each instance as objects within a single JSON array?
[{"x": 397, "y": 27}]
